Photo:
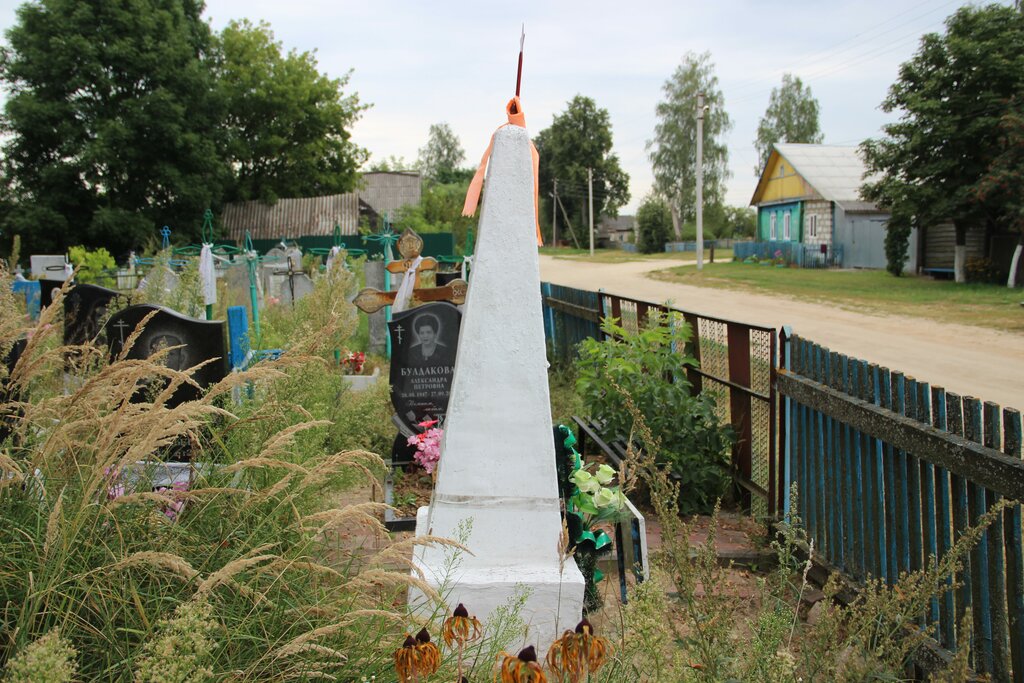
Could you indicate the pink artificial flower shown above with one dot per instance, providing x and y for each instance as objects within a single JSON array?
[
  {"x": 173, "y": 508},
  {"x": 428, "y": 447}
]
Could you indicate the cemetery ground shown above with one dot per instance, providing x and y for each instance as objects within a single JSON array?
[
  {"x": 952, "y": 352},
  {"x": 273, "y": 562}
]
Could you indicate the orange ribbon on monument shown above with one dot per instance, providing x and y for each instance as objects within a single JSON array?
[{"x": 516, "y": 117}]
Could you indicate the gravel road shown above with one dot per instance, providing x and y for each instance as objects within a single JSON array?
[{"x": 971, "y": 361}]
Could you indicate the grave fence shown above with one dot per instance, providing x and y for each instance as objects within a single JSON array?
[
  {"x": 736, "y": 366},
  {"x": 890, "y": 471}
]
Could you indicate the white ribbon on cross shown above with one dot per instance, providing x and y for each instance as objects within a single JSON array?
[
  {"x": 404, "y": 296},
  {"x": 335, "y": 252},
  {"x": 207, "y": 275}
]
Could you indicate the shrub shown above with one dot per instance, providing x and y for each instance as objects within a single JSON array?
[
  {"x": 650, "y": 366},
  {"x": 92, "y": 266},
  {"x": 653, "y": 225}
]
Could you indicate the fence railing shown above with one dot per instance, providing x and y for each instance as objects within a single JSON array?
[
  {"x": 692, "y": 245},
  {"x": 736, "y": 366},
  {"x": 891, "y": 471},
  {"x": 790, "y": 253}
]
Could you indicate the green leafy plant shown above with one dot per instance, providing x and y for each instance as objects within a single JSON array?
[
  {"x": 650, "y": 364},
  {"x": 92, "y": 266}
]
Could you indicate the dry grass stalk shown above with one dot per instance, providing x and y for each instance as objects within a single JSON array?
[
  {"x": 226, "y": 573},
  {"x": 364, "y": 514},
  {"x": 156, "y": 560},
  {"x": 53, "y": 524}
]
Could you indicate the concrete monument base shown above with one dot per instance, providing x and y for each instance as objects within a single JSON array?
[{"x": 555, "y": 595}]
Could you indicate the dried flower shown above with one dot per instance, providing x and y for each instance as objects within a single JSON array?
[
  {"x": 522, "y": 668},
  {"x": 50, "y": 659},
  {"x": 461, "y": 628},
  {"x": 417, "y": 657},
  {"x": 578, "y": 653},
  {"x": 430, "y": 656},
  {"x": 406, "y": 660}
]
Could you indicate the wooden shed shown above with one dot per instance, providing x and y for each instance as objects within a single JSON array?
[{"x": 292, "y": 218}]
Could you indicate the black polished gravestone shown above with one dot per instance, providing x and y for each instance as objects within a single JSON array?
[
  {"x": 84, "y": 309},
  {"x": 423, "y": 344},
  {"x": 199, "y": 341}
]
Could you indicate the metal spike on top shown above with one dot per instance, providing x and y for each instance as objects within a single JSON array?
[{"x": 519, "y": 70}]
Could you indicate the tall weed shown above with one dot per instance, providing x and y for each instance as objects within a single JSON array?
[{"x": 240, "y": 578}]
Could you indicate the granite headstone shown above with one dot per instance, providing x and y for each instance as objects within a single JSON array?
[
  {"x": 199, "y": 341},
  {"x": 84, "y": 309},
  {"x": 423, "y": 345}
]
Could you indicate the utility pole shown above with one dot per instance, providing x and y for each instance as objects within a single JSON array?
[
  {"x": 554, "y": 217},
  {"x": 700, "y": 181},
  {"x": 590, "y": 193}
]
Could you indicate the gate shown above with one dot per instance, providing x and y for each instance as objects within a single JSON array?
[{"x": 737, "y": 364}]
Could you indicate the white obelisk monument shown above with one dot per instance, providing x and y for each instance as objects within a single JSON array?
[{"x": 497, "y": 466}]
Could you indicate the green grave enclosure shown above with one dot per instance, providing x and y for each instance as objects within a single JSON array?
[{"x": 436, "y": 244}]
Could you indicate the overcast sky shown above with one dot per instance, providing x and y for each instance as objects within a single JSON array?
[{"x": 419, "y": 62}]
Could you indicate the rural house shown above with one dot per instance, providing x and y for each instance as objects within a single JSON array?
[
  {"x": 614, "y": 231},
  {"x": 810, "y": 195}
]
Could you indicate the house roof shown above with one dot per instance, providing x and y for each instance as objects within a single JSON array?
[
  {"x": 387, "y": 191},
  {"x": 835, "y": 172},
  {"x": 292, "y": 218},
  {"x": 609, "y": 225}
]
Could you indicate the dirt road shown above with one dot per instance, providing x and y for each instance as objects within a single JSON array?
[{"x": 971, "y": 361}]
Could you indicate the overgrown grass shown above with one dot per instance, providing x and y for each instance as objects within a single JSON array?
[
  {"x": 698, "y": 634},
  {"x": 871, "y": 291},
  {"x": 228, "y": 579}
]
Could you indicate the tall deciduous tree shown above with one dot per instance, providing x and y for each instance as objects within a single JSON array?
[
  {"x": 653, "y": 225},
  {"x": 673, "y": 151},
  {"x": 288, "y": 125},
  {"x": 1002, "y": 184},
  {"x": 792, "y": 116},
  {"x": 440, "y": 159},
  {"x": 110, "y": 115},
  {"x": 580, "y": 138},
  {"x": 951, "y": 94}
]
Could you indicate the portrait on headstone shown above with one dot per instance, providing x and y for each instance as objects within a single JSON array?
[{"x": 424, "y": 341}]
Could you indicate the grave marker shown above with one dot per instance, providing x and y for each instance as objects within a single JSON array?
[
  {"x": 52, "y": 272},
  {"x": 423, "y": 347},
  {"x": 199, "y": 341},
  {"x": 84, "y": 309},
  {"x": 497, "y": 466}
]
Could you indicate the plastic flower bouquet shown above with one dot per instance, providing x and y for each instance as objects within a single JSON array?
[
  {"x": 352, "y": 362},
  {"x": 428, "y": 445}
]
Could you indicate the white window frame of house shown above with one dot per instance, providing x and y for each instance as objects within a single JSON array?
[
  {"x": 812, "y": 225},
  {"x": 772, "y": 230},
  {"x": 785, "y": 226}
]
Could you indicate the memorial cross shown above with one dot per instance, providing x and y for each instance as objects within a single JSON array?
[{"x": 410, "y": 246}]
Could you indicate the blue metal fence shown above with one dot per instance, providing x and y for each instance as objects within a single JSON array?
[
  {"x": 891, "y": 472},
  {"x": 791, "y": 253}
]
